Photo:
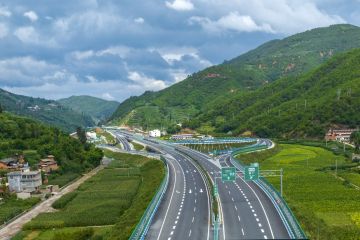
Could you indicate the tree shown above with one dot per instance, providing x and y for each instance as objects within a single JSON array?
[
  {"x": 81, "y": 135},
  {"x": 1, "y": 109},
  {"x": 355, "y": 139}
]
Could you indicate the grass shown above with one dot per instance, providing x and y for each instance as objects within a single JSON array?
[
  {"x": 62, "y": 179},
  {"x": 325, "y": 206},
  {"x": 109, "y": 138},
  {"x": 117, "y": 195},
  {"x": 138, "y": 147},
  {"x": 12, "y": 207}
]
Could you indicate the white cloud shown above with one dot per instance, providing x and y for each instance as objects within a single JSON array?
[
  {"x": 139, "y": 20},
  {"x": 233, "y": 22},
  {"x": 121, "y": 51},
  {"x": 4, "y": 12},
  {"x": 180, "y": 5},
  {"x": 107, "y": 96},
  {"x": 31, "y": 15},
  {"x": 25, "y": 71},
  {"x": 27, "y": 34},
  {"x": 3, "y": 30},
  {"x": 179, "y": 75},
  {"x": 81, "y": 55},
  {"x": 275, "y": 16},
  {"x": 89, "y": 22},
  {"x": 146, "y": 83}
]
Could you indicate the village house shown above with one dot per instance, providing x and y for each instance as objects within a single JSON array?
[
  {"x": 26, "y": 180},
  {"x": 48, "y": 164},
  {"x": 340, "y": 135},
  {"x": 12, "y": 163}
]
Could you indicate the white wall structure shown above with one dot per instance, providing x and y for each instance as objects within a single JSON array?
[{"x": 155, "y": 133}]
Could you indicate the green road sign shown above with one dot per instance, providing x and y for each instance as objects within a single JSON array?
[
  {"x": 252, "y": 172},
  {"x": 228, "y": 174}
]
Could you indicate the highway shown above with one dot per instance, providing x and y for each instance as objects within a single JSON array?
[
  {"x": 123, "y": 141},
  {"x": 184, "y": 213},
  {"x": 247, "y": 212},
  {"x": 185, "y": 210}
]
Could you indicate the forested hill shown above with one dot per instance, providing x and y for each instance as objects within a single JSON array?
[
  {"x": 291, "y": 56},
  {"x": 98, "y": 109},
  {"x": 20, "y": 135},
  {"x": 303, "y": 106},
  {"x": 46, "y": 111}
]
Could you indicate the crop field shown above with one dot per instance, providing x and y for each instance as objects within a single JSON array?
[
  {"x": 125, "y": 187},
  {"x": 12, "y": 207},
  {"x": 62, "y": 179},
  {"x": 326, "y": 207},
  {"x": 209, "y": 148}
]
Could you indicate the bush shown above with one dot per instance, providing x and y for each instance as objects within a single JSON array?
[{"x": 82, "y": 234}]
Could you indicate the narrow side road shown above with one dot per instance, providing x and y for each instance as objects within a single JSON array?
[{"x": 15, "y": 226}]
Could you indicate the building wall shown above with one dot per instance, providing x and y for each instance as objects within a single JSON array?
[{"x": 15, "y": 183}]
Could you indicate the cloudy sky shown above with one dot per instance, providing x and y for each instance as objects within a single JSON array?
[{"x": 114, "y": 49}]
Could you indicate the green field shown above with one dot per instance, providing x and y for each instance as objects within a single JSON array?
[
  {"x": 326, "y": 206},
  {"x": 12, "y": 207},
  {"x": 107, "y": 206}
]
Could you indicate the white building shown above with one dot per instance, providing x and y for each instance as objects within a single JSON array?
[
  {"x": 24, "y": 181},
  {"x": 155, "y": 133},
  {"x": 91, "y": 135}
]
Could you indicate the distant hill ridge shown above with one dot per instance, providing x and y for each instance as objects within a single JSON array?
[
  {"x": 271, "y": 61},
  {"x": 98, "y": 109},
  {"x": 46, "y": 111}
]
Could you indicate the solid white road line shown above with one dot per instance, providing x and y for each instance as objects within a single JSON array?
[{"x": 167, "y": 210}]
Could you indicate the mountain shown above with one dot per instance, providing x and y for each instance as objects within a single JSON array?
[
  {"x": 301, "y": 106},
  {"x": 276, "y": 59},
  {"x": 97, "y": 108},
  {"x": 46, "y": 111}
]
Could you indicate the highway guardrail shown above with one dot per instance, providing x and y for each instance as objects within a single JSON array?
[
  {"x": 142, "y": 228},
  {"x": 287, "y": 216}
]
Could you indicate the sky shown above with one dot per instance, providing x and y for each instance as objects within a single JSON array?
[{"x": 116, "y": 49}]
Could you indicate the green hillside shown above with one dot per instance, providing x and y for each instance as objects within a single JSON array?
[
  {"x": 35, "y": 140},
  {"x": 303, "y": 106},
  {"x": 96, "y": 108},
  {"x": 46, "y": 111},
  {"x": 273, "y": 60}
]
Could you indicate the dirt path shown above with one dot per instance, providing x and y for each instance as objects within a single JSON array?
[{"x": 12, "y": 228}]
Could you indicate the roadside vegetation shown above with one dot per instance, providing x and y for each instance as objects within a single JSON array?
[
  {"x": 107, "y": 206},
  {"x": 138, "y": 147},
  {"x": 326, "y": 205}
]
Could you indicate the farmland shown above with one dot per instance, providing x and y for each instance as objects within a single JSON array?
[
  {"x": 11, "y": 207},
  {"x": 326, "y": 206},
  {"x": 116, "y": 196}
]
